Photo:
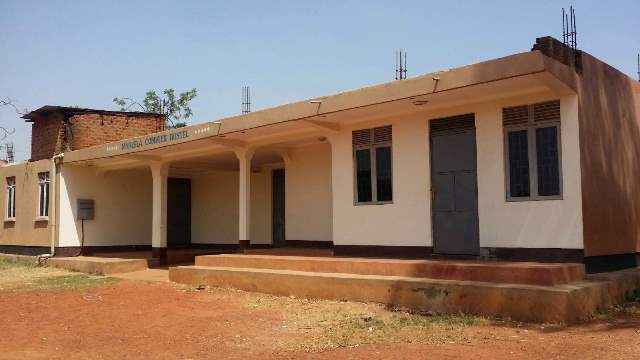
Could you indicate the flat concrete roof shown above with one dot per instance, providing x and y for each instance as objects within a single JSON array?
[{"x": 418, "y": 90}]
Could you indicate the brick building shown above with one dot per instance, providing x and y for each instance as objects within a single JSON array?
[{"x": 58, "y": 129}]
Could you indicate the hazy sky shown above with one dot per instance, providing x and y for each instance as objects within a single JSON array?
[{"x": 86, "y": 52}]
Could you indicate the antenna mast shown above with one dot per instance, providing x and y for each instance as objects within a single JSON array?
[
  {"x": 401, "y": 65},
  {"x": 246, "y": 100}
]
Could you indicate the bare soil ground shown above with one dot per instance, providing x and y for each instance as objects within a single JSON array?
[{"x": 53, "y": 314}]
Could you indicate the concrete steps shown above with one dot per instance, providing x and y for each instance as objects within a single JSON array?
[
  {"x": 560, "y": 303},
  {"x": 486, "y": 271}
]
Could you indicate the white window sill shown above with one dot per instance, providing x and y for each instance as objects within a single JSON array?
[
  {"x": 539, "y": 198},
  {"x": 10, "y": 220},
  {"x": 373, "y": 203},
  {"x": 41, "y": 218}
]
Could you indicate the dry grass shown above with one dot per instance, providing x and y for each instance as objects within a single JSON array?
[
  {"x": 631, "y": 307},
  {"x": 327, "y": 324},
  {"x": 22, "y": 275}
]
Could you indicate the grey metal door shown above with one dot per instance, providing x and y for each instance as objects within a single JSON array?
[
  {"x": 278, "y": 201},
  {"x": 454, "y": 194}
]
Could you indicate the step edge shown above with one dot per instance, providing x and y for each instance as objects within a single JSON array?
[{"x": 559, "y": 287}]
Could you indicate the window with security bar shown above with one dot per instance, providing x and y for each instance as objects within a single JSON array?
[
  {"x": 11, "y": 198},
  {"x": 372, "y": 165},
  {"x": 532, "y": 151},
  {"x": 43, "y": 194}
]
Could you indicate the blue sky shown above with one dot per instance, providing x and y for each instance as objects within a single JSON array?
[{"x": 84, "y": 53}]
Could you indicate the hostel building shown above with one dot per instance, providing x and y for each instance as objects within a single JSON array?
[{"x": 533, "y": 156}]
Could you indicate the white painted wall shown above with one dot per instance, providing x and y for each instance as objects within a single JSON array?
[
  {"x": 308, "y": 193},
  {"x": 122, "y": 207},
  {"x": 532, "y": 224},
  {"x": 214, "y": 208},
  {"x": 214, "y": 216},
  {"x": 407, "y": 221},
  {"x": 260, "y": 208}
]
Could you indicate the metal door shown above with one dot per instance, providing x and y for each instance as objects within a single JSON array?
[{"x": 454, "y": 194}]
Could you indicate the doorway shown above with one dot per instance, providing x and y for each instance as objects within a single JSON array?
[
  {"x": 277, "y": 207},
  {"x": 178, "y": 212},
  {"x": 454, "y": 189}
]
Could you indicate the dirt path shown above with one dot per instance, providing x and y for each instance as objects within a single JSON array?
[{"x": 157, "y": 320}]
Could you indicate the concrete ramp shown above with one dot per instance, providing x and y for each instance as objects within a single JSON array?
[{"x": 98, "y": 266}]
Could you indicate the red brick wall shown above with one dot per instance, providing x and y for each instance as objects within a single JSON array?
[
  {"x": 85, "y": 130},
  {"x": 45, "y": 137},
  {"x": 94, "y": 129}
]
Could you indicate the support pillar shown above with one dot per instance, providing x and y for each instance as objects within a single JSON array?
[
  {"x": 244, "y": 220},
  {"x": 159, "y": 173}
]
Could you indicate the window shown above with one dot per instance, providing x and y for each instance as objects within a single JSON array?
[
  {"x": 372, "y": 165},
  {"x": 43, "y": 194},
  {"x": 532, "y": 151},
  {"x": 11, "y": 198}
]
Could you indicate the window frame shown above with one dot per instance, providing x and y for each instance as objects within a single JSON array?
[
  {"x": 43, "y": 212},
  {"x": 374, "y": 173},
  {"x": 10, "y": 213},
  {"x": 531, "y": 127}
]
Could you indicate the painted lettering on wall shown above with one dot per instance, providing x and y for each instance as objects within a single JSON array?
[{"x": 154, "y": 140}]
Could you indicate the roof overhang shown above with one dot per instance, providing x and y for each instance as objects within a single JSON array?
[{"x": 509, "y": 76}]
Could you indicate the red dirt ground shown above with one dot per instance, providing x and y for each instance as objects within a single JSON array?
[{"x": 159, "y": 321}]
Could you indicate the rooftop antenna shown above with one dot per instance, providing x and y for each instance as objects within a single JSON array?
[
  {"x": 9, "y": 147},
  {"x": 246, "y": 100},
  {"x": 401, "y": 64},
  {"x": 569, "y": 32}
]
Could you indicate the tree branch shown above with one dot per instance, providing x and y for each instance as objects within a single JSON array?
[
  {"x": 5, "y": 132},
  {"x": 9, "y": 102},
  {"x": 127, "y": 103}
]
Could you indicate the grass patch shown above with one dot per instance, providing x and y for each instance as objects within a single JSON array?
[
  {"x": 333, "y": 324},
  {"x": 10, "y": 262},
  {"x": 73, "y": 281},
  {"x": 24, "y": 275},
  {"x": 372, "y": 327}
]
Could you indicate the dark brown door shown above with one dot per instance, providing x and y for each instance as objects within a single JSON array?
[
  {"x": 178, "y": 212},
  {"x": 278, "y": 224}
]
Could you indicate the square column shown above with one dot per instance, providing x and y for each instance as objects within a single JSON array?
[
  {"x": 244, "y": 219},
  {"x": 159, "y": 173}
]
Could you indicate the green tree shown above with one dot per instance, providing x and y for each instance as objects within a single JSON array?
[{"x": 175, "y": 109}]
